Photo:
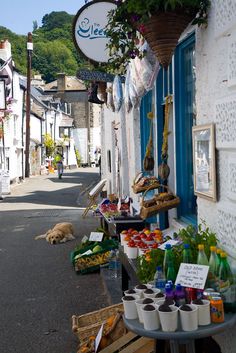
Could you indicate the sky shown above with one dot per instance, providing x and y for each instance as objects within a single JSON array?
[{"x": 18, "y": 15}]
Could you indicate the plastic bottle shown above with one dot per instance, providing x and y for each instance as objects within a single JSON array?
[
  {"x": 218, "y": 252},
  {"x": 187, "y": 256},
  {"x": 213, "y": 266},
  {"x": 202, "y": 258},
  {"x": 171, "y": 273},
  {"x": 227, "y": 285},
  {"x": 168, "y": 257},
  {"x": 180, "y": 298},
  {"x": 113, "y": 264},
  {"x": 169, "y": 293},
  {"x": 159, "y": 279}
]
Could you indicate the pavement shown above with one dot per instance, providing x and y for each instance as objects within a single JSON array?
[{"x": 39, "y": 289}]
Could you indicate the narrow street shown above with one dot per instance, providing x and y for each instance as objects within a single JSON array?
[{"x": 39, "y": 289}]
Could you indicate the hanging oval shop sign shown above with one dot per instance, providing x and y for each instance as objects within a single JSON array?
[{"x": 89, "y": 30}]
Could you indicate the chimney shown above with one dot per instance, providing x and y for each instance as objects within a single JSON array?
[
  {"x": 5, "y": 50},
  {"x": 61, "y": 82}
]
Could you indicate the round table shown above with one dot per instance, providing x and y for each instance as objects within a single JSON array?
[{"x": 182, "y": 337}]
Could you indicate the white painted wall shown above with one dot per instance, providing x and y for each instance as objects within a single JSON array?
[{"x": 216, "y": 102}]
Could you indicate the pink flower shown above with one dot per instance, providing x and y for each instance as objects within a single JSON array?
[{"x": 142, "y": 28}]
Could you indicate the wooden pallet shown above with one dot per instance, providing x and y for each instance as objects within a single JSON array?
[{"x": 130, "y": 343}]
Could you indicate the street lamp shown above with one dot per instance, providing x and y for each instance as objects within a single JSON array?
[{"x": 28, "y": 89}]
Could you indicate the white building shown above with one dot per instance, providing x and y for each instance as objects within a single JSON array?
[{"x": 202, "y": 83}]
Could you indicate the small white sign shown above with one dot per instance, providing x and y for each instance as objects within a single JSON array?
[
  {"x": 96, "y": 236},
  {"x": 172, "y": 242},
  {"x": 98, "y": 338},
  {"x": 192, "y": 275}
]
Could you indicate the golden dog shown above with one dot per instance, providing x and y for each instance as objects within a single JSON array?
[{"x": 60, "y": 233}]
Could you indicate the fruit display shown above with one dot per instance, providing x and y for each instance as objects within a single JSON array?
[
  {"x": 142, "y": 240},
  {"x": 109, "y": 210}
]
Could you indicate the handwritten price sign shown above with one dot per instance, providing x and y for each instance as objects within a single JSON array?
[{"x": 192, "y": 275}]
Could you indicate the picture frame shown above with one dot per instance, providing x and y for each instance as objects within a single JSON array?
[{"x": 204, "y": 164}]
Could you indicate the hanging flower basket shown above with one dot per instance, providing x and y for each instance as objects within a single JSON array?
[
  {"x": 162, "y": 32},
  {"x": 160, "y": 22}
]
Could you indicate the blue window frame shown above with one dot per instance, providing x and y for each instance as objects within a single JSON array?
[
  {"x": 184, "y": 89},
  {"x": 185, "y": 118}
]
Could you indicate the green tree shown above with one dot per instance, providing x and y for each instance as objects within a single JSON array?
[
  {"x": 53, "y": 58},
  {"x": 56, "y": 20}
]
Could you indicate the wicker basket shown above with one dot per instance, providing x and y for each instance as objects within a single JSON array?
[
  {"x": 158, "y": 203},
  {"x": 163, "y": 29},
  {"x": 89, "y": 324},
  {"x": 138, "y": 189}
]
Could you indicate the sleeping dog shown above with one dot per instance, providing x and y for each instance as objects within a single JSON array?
[{"x": 60, "y": 233}]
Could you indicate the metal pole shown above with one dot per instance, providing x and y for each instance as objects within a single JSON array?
[{"x": 28, "y": 89}]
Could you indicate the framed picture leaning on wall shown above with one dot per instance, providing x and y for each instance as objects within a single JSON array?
[{"x": 204, "y": 161}]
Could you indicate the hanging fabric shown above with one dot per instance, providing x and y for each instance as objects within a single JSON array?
[{"x": 148, "y": 162}]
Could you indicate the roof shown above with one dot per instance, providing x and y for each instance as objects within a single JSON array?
[
  {"x": 66, "y": 121},
  {"x": 72, "y": 84}
]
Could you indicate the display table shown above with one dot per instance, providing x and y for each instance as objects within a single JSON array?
[
  {"x": 117, "y": 224},
  {"x": 181, "y": 337}
]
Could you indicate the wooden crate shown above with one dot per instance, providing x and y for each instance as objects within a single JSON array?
[{"x": 130, "y": 343}]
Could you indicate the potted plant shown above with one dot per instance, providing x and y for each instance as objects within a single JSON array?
[{"x": 160, "y": 22}]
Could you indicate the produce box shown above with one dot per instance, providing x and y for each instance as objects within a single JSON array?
[{"x": 89, "y": 258}]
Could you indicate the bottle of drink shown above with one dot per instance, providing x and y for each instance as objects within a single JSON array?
[
  {"x": 167, "y": 258},
  {"x": 169, "y": 293},
  {"x": 179, "y": 295},
  {"x": 171, "y": 273},
  {"x": 202, "y": 258},
  {"x": 159, "y": 279},
  {"x": 112, "y": 265},
  {"x": 187, "y": 257},
  {"x": 218, "y": 252},
  {"x": 213, "y": 266},
  {"x": 227, "y": 285}
]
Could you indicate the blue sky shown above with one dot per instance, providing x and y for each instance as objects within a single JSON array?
[{"x": 18, "y": 15}]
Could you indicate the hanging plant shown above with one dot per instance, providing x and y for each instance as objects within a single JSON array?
[{"x": 160, "y": 22}]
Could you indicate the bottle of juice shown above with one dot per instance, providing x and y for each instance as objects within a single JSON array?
[
  {"x": 227, "y": 285},
  {"x": 187, "y": 257},
  {"x": 213, "y": 266},
  {"x": 168, "y": 258},
  {"x": 169, "y": 293},
  {"x": 179, "y": 295},
  {"x": 159, "y": 279},
  {"x": 202, "y": 258},
  {"x": 171, "y": 273},
  {"x": 218, "y": 252}
]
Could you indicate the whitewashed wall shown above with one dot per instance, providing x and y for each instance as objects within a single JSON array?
[{"x": 216, "y": 102}]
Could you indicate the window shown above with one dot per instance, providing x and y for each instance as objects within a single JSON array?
[{"x": 64, "y": 132}]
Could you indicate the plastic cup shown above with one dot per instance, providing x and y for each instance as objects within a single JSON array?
[
  {"x": 204, "y": 315},
  {"x": 130, "y": 309},
  {"x": 132, "y": 252},
  {"x": 169, "y": 320},
  {"x": 150, "y": 318},
  {"x": 189, "y": 319},
  {"x": 151, "y": 295}
]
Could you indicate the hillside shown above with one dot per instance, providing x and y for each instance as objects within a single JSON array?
[{"x": 54, "y": 49}]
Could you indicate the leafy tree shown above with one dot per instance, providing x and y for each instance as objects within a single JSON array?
[
  {"x": 53, "y": 58},
  {"x": 54, "y": 50},
  {"x": 56, "y": 20}
]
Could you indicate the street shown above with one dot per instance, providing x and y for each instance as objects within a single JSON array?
[{"x": 39, "y": 289}]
